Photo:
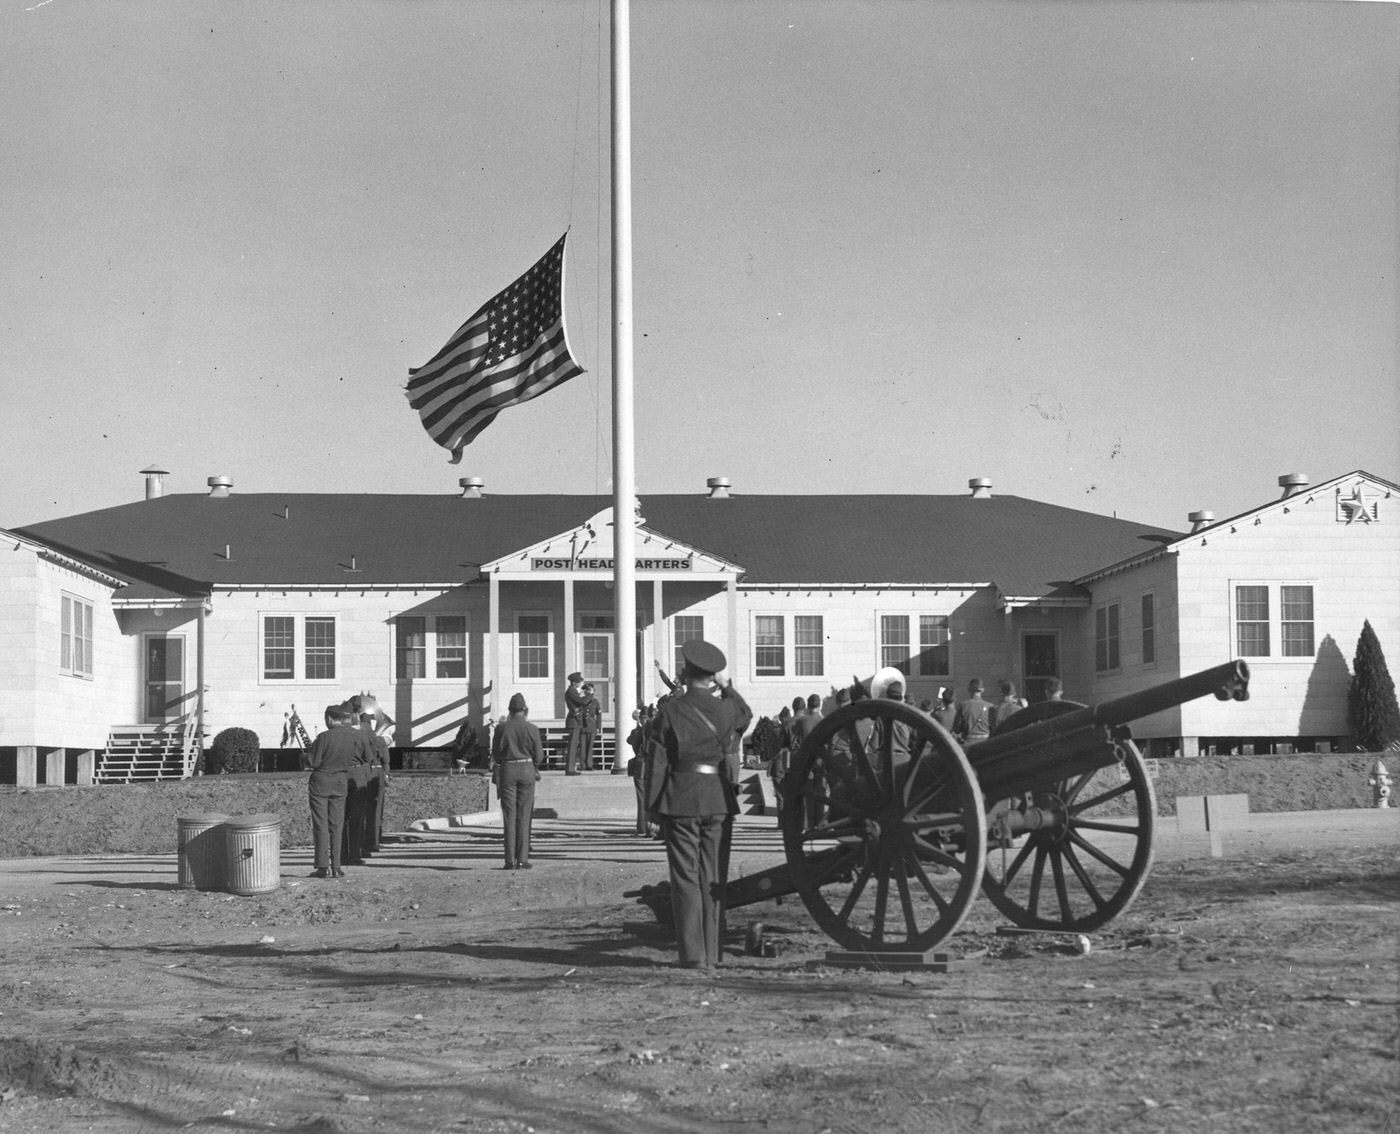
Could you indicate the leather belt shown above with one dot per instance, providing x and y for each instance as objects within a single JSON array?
[
  {"x": 518, "y": 760},
  {"x": 702, "y": 769}
]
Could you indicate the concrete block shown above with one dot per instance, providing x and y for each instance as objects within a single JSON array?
[
  {"x": 53, "y": 767},
  {"x": 1191, "y": 814},
  {"x": 1225, "y": 811},
  {"x": 26, "y": 766}
]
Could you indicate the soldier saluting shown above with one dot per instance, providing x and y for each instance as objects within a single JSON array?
[{"x": 691, "y": 791}]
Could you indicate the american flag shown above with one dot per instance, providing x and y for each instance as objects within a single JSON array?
[{"x": 513, "y": 349}]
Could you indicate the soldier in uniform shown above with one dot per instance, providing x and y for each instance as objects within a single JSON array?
[
  {"x": 574, "y": 699},
  {"x": 691, "y": 792},
  {"x": 974, "y": 720}
]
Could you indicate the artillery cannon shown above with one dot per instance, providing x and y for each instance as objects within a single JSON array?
[{"x": 890, "y": 827}]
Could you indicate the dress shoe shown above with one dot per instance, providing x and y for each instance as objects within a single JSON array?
[
  {"x": 336, "y": 872},
  {"x": 320, "y": 872},
  {"x": 508, "y": 866},
  {"x": 524, "y": 866}
]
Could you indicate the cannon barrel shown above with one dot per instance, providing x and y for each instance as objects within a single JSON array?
[{"x": 1016, "y": 760}]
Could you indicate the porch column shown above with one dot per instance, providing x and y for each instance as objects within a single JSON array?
[
  {"x": 490, "y": 697},
  {"x": 658, "y": 643},
  {"x": 731, "y": 641},
  {"x": 199, "y": 683},
  {"x": 570, "y": 662},
  {"x": 26, "y": 766}
]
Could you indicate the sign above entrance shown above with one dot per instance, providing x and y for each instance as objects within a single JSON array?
[{"x": 655, "y": 563}]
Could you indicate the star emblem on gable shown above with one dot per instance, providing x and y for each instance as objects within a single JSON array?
[{"x": 1356, "y": 507}]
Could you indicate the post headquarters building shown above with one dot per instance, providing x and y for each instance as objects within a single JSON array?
[{"x": 183, "y": 614}]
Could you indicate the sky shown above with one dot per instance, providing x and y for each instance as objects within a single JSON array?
[{"x": 1133, "y": 257}]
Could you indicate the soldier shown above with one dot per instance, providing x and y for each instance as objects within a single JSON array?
[
  {"x": 692, "y": 794},
  {"x": 974, "y": 720},
  {"x": 946, "y": 711},
  {"x": 591, "y": 714},
  {"x": 516, "y": 755},
  {"x": 573, "y": 722}
]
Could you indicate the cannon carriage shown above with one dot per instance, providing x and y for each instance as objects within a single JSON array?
[{"x": 891, "y": 828}]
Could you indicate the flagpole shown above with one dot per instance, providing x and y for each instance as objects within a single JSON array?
[{"x": 624, "y": 465}]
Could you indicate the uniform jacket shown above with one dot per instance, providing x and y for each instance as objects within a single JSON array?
[
  {"x": 517, "y": 739},
  {"x": 681, "y": 740},
  {"x": 334, "y": 753},
  {"x": 974, "y": 720},
  {"x": 574, "y": 701}
]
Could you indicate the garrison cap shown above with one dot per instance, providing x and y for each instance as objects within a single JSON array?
[
  {"x": 575, "y": 677},
  {"x": 702, "y": 657}
]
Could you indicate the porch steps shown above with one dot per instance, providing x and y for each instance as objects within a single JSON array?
[
  {"x": 137, "y": 753},
  {"x": 601, "y": 795}
]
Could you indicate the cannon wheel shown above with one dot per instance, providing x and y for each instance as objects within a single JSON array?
[
  {"x": 1085, "y": 870},
  {"x": 884, "y": 827}
]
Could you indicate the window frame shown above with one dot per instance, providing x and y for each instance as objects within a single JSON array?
[
  {"x": 1109, "y": 659},
  {"x": 1147, "y": 625},
  {"x": 914, "y": 644},
  {"x": 74, "y": 640},
  {"x": 1276, "y": 625},
  {"x": 767, "y": 673},
  {"x": 678, "y": 642},
  {"x": 431, "y": 648},
  {"x": 300, "y": 647},
  {"x": 547, "y": 647}
]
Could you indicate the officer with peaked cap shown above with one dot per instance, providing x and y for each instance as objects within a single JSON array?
[
  {"x": 691, "y": 791},
  {"x": 574, "y": 701}
]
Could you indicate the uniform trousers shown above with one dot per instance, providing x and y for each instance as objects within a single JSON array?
[
  {"x": 327, "y": 798},
  {"x": 697, "y": 849},
  {"x": 574, "y": 733},
  {"x": 357, "y": 806},
  {"x": 516, "y": 789}
]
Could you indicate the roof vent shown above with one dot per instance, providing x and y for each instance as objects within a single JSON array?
[
  {"x": 719, "y": 487},
  {"x": 981, "y": 488},
  {"x": 219, "y": 486},
  {"x": 471, "y": 487},
  {"x": 1292, "y": 483},
  {"x": 1201, "y": 520},
  {"x": 155, "y": 486}
]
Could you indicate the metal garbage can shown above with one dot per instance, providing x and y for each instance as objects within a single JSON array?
[
  {"x": 253, "y": 848},
  {"x": 200, "y": 851}
]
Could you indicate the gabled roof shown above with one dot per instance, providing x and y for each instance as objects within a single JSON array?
[
  {"x": 189, "y": 544},
  {"x": 1277, "y": 504}
]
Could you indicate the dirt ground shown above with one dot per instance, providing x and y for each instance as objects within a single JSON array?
[{"x": 434, "y": 992}]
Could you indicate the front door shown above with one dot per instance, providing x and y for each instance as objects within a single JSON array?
[
  {"x": 596, "y": 665},
  {"x": 1040, "y": 661},
  {"x": 165, "y": 677}
]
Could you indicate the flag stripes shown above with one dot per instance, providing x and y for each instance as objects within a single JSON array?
[{"x": 511, "y": 350}]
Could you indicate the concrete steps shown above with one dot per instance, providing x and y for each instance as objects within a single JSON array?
[{"x": 601, "y": 795}]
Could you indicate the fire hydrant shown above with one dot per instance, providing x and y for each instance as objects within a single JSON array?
[{"x": 1380, "y": 782}]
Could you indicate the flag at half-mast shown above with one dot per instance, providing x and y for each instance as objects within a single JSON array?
[{"x": 513, "y": 349}]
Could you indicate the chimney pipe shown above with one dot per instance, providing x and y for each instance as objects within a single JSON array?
[
  {"x": 1200, "y": 520},
  {"x": 981, "y": 488},
  {"x": 155, "y": 486},
  {"x": 219, "y": 486},
  {"x": 471, "y": 487},
  {"x": 719, "y": 487},
  {"x": 1292, "y": 484}
]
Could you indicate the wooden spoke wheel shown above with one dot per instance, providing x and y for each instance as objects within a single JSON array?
[
  {"x": 884, "y": 827},
  {"x": 1072, "y": 857}
]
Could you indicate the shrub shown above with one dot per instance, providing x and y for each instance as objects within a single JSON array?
[
  {"x": 1372, "y": 712},
  {"x": 233, "y": 750}
]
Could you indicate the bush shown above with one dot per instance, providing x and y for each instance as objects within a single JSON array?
[
  {"x": 1372, "y": 712},
  {"x": 233, "y": 750}
]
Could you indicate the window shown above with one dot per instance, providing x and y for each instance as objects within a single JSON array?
[
  {"x": 320, "y": 648},
  {"x": 685, "y": 628},
  {"x": 443, "y": 639},
  {"x": 808, "y": 645},
  {"x": 894, "y": 641},
  {"x": 1252, "y": 622},
  {"x": 75, "y": 637},
  {"x": 1269, "y": 613},
  {"x": 1296, "y": 606},
  {"x": 316, "y": 660},
  {"x": 933, "y": 655},
  {"x": 1149, "y": 628},
  {"x": 450, "y": 649},
  {"x": 1106, "y": 638},
  {"x": 935, "y": 646},
  {"x": 769, "y": 652},
  {"x": 532, "y": 646}
]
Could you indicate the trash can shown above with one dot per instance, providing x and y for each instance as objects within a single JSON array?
[
  {"x": 253, "y": 848},
  {"x": 200, "y": 851}
]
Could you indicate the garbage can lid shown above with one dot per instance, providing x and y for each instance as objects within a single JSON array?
[{"x": 262, "y": 819}]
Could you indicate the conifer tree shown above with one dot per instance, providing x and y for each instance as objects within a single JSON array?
[{"x": 1372, "y": 712}]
